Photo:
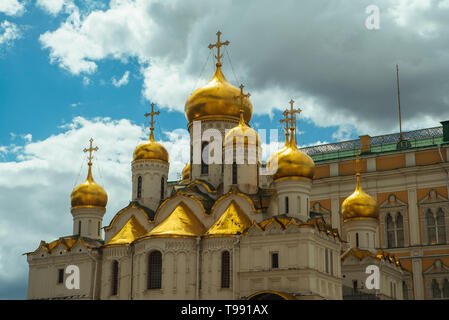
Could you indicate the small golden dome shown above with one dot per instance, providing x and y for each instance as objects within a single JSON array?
[
  {"x": 217, "y": 99},
  {"x": 291, "y": 163},
  {"x": 89, "y": 193},
  {"x": 186, "y": 172},
  {"x": 150, "y": 150},
  {"x": 239, "y": 133},
  {"x": 359, "y": 205}
]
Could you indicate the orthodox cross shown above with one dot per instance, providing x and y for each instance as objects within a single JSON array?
[
  {"x": 218, "y": 45},
  {"x": 242, "y": 96},
  {"x": 286, "y": 120},
  {"x": 292, "y": 112},
  {"x": 90, "y": 151},
  {"x": 152, "y": 114}
]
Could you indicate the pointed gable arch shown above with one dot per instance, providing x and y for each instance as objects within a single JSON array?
[
  {"x": 232, "y": 222},
  {"x": 130, "y": 232},
  {"x": 180, "y": 223}
]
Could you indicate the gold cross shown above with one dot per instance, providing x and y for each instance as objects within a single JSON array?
[
  {"x": 90, "y": 151},
  {"x": 292, "y": 113},
  {"x": 242, "y": 96},
  {"x": 218, "y": 45},
  {"x": 151, "y": 122}
]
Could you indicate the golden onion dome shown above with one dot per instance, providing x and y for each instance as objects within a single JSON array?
[
  {"x": 359, "y": 205},
  {"x": 242, "y": 134},
  {"x": 150, "y": 150},
  {"x": 216, "y": 99},
  {"x": 186, "y": 172},
  {"x": 89, "y": 193},
  {"x": 291, "y": 163}
]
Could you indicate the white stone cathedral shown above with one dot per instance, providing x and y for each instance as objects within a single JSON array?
[{"x": 225, "y": 231}]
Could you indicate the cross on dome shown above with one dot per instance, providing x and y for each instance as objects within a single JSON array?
[
  {"x": 218, "y": 45},
  {"x": 90, "y": 150},
  {"x": 151, "y": 122}
]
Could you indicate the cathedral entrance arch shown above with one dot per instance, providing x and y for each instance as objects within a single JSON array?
[{"x": 270, "y": 295}]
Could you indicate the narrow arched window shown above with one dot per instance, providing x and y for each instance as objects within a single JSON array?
[
  {"x": 441, "y": 227},
  {"x": 404, "y": 290},
  {"x": 299, "y": 204},
  {"x": 155, "y": 270},
  {"x": 99, "y": 228},
  {"x": 114, "y": 288},
  {"x": 162, "y": 188},
  {"x": 390, "y": 232},
  {"x": 225, "y": 270},
  {"x": 79, "y": 227},
  {"x": 446, "y": 288},
  {"x": 234, "y": 173},
  {"x": 431, "y": 228},
  {"x": 357, "y": 240},
  {"x": 139, "y": 187},
  {"x": 205, "y": 158},
  {"x": 436, "y": 292},
  {"x": 286, "y": 205},
  {"x": 399, "y": 230}
]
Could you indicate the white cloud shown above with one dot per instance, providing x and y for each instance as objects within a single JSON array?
[
  {"x": 8, "y": 33},
  {"x": 322, "y": 73},
  {"x": 123, "y": 81},
  {"x": 46, "y": 171},
  {"x": 51, "y": 6},
  {"x": 11, "y": 7},
  {"x": 86, "y": 81}
]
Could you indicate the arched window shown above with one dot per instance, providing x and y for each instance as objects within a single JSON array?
[
  {"x": 139, "y": 187},
  {"x": 404, "y": 290},
  {"x": 225, "y": 270},
  {"x": 162, "y": 189},
  {"x": 390, "y": 232},
  {"x": 234, "y": 173},
  {"x": 441, "y": 227},
  {"x": 399, "y": 230},
  {"x": 79, "y": 227},
  {"x": 436, "y": 292},
  {"x": 431, "y": 228},
  {"x": 357, "y": 240},
  {"x": 114, "y": 288},
  {"x": 446, "y": 289},
  {"x": 99, "y": 228},
  {"x": 299, "y": 204},
  {"x": 155, "y": 270},
  {"x": 205, "y": 158},
  {"x": 286, "y": 205}
]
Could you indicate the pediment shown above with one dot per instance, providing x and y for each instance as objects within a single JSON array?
[
  {"x": 392, "y": 202},
  {"x": 437, "y": 267},
  {"x": 431, "y": 197}
]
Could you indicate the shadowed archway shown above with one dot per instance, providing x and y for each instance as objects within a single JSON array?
[{"x": 270, "y": 295}]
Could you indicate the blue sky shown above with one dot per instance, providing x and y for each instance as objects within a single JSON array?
[{"x": 75, "y": 69}]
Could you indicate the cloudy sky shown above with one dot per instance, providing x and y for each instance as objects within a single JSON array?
[{"x": 75, "y": 69}]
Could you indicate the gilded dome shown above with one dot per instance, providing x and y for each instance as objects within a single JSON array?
[
  {"x": 150, "y": 150},
  {"x": 359, "y": 205},
  {"x": 186, "y": 172},
  {"x": 216, "y": 99},
  {"x": 291, "y": 163},
  {"x": 89, "y": 193},
  {"x": 239, "y": 133}
]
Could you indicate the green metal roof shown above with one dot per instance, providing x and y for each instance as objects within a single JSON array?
[{"x": 379, "y": 144}]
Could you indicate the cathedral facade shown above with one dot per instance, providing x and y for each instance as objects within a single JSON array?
[{"x": 298, "y": 227}]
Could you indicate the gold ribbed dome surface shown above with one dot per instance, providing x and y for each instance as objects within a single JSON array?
[
  {"x": 359, "y": 205},
  {"x": 186, "y": 172},
  {"x": 216, "y": 99},
  {"x": 89, "y": 194},
  {"x": 291, "y": 163},
  {"x": 150, "y": 150},
  {"x": 239, "y": 133}
]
